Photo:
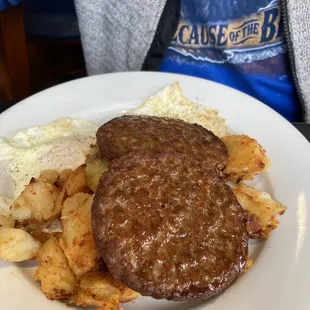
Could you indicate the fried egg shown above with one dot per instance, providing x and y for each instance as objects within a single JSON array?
[
  {"x": 62, "y": 144},
  {"x": 171, "y": 102}
]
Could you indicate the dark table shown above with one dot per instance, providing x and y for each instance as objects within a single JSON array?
[
  {"x": 303, "y": 128},
  {"x": 6, "y": 105}
]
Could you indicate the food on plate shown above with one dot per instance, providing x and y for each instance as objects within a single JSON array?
[
  {"x": 132, "y": 133},
  {"x": 69, "y": 264},
  {"x": 76, "y": 181},
  {"x": 246, "y": 158},
  {"x": 5, "y": 213},
  {"x": 37, "y": 201},
  {"x": 6, "y": 221},
  {"x": 5, "y": 206},
  {"x": 261, "y": 207},
  {"x": 95, "y": 167},
  {"x": 77, "y": 239},
  {"x": 63, "y": 177},
  {"x": 73, "y": 203},
  {"x": 171, "y": 102},
  {"x": 57, "y": 280},
  {"x": 162, "y": 220},
  {"x": 59, "y": 145},
  {"x": 42, "y": 199},
  {"x": 40, "y": 232},
  {"x": 248, "y": 265},
  {"x": 17, "y": 245},
  {"x": 99, "y": 289},
  {"x": 165, "y": 220},
  {"x": 93, "y": 289},
  {"x": 51, "y": 176}
]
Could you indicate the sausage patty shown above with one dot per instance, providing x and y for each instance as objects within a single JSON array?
[
  {"x": 131, "y": 133},
  {"x": 168, "y": 226}
]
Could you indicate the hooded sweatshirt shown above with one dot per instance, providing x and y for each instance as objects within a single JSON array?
[{"x": 258, "y": 47}]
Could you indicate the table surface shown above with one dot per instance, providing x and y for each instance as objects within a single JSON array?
[{"x": 303, "y": 128}]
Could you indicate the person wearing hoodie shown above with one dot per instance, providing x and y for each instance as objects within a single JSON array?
[{"x": 259, "y": 47}]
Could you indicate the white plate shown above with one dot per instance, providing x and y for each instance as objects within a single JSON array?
[{"x": 280, "y": 276}]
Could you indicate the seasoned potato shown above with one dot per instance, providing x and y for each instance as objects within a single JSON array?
[
  {"x": 16, "y": 245},
  {"x": 50, "y": 175},
  {"x": 57, "y": 280},
  {"x": 248, "y": 265},
  {"x": 39, "y": 231},
  {"x": 246, "y": 158},
  {"x": 61, "y": 197},
  {"x": 42, "y": 237},
  {"x": 21, "y": 211},
  {"x": 73, "y": 203},
  {"x": 94, "y": 170},
  {"x": 95, "y": 167},
  {"x": 99, "y": 289},
  {"x": 261, "y": 205},
  {"x": 63, "y": 177},
  {"x": 127, "y": 295},
  {"x": 77, "y": 239},
  {"x": 6, "y": 221},
  {"x": 76, "y": 181},
  {"x": 70, "y": 182},
  {"x": 37, "y": 202}
]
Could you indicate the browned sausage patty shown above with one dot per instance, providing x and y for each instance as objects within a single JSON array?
[
  {"x": 168, "y": 226},
  {"x": 126, "y": 134}
]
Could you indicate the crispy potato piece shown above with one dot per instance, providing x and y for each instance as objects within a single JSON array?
[
  {"x": 246, "y": 158},
  {"x": 16, "y": 245},
  {"x": 50, "y": 175},
  {"x": 248, "y": 265},
  {"x": 21, "y": 212},
  {"x": 95, "y": 167},
  {"x": 261, "y": 205},
  {"x": 99, "y": 289},
  {"x": 7, "y": 222},
  {"x": 110, "y": 306},
  {"x": 253, "y": 225},
  {"x": 76, "y": 181},
  {"x": 59, "y": 180},
  {"x": 70, "y": 182},
  {"x": 61, "y": 197},
  {"x": 73, "y": 203},
  {"x": 127, "y": 295},
  {"x": 63, "y": 177},
  {"x": 77, "y": 239},
  {"x": 38, "y": 231},
  {"x": 64, "y": 183},
  {"x": 37, "y": 202},
  {"x": 42, "y": 237},
  {"x": 57, "y": 280}
]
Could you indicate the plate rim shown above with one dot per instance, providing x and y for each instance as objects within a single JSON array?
[{"x": 12, "y": 110}]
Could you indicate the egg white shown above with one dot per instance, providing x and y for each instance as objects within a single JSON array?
[{"x": 62, "y": 144}]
